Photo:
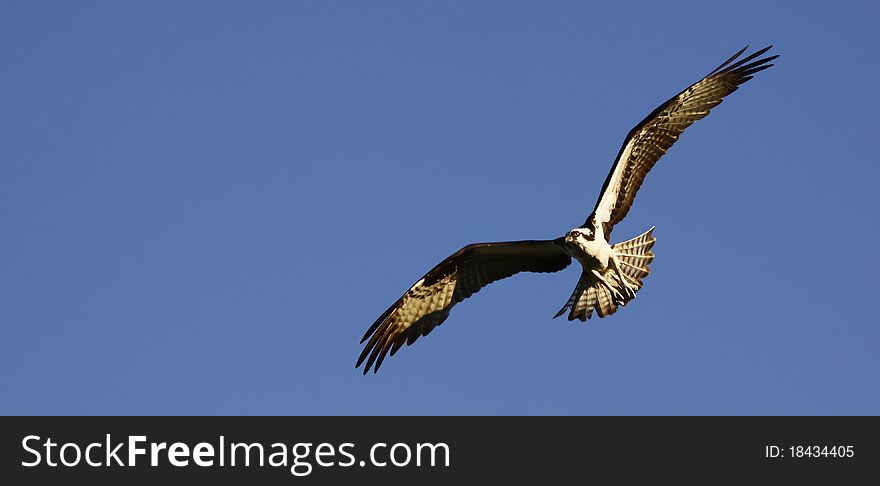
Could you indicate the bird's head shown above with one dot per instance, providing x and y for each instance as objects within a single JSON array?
[{"x": 580, "y": 235}]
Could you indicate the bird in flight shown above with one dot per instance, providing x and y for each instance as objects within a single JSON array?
[{"x": 611, "y": 274}]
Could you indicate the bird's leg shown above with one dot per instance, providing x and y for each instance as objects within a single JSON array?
[
  {"x": 616, "y": 295},
  {"x": 630, "y": 291}
]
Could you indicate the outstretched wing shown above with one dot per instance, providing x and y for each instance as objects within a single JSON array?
[
  {"x": 427, "y": 303},
  {"x": 651, "y": 138}
]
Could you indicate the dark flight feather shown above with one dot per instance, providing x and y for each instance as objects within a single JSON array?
[
  {"x": 427, "y": 303},
  {"x": 653, "y": 136}
]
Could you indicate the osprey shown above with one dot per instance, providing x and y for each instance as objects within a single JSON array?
[{"x": 611, "y": 274}]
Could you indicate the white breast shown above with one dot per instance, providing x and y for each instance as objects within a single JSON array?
[{"x": 591, "y": 254}]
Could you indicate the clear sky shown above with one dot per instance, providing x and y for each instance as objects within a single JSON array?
[{"x": 203, "y": 206}]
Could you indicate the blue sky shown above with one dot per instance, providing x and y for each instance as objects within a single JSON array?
[{"x": 203, "y": 205}]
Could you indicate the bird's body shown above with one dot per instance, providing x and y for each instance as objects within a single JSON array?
[
  {"x": 592, "y": 254},
  {"x": 611, "y": 273}
]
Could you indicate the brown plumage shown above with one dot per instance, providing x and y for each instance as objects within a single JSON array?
[
  {"x": 428, "y": 302},
  {"x": 611, "y": 274},
  {"x": 652, "y": 137}
]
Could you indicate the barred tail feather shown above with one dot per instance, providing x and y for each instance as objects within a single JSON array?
[
  {"x": 635, "y": 256},
  {"x": 606, "y": 305},
  {"x": 584, "y": 298},
  {"x": 590, "y": 293}
]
